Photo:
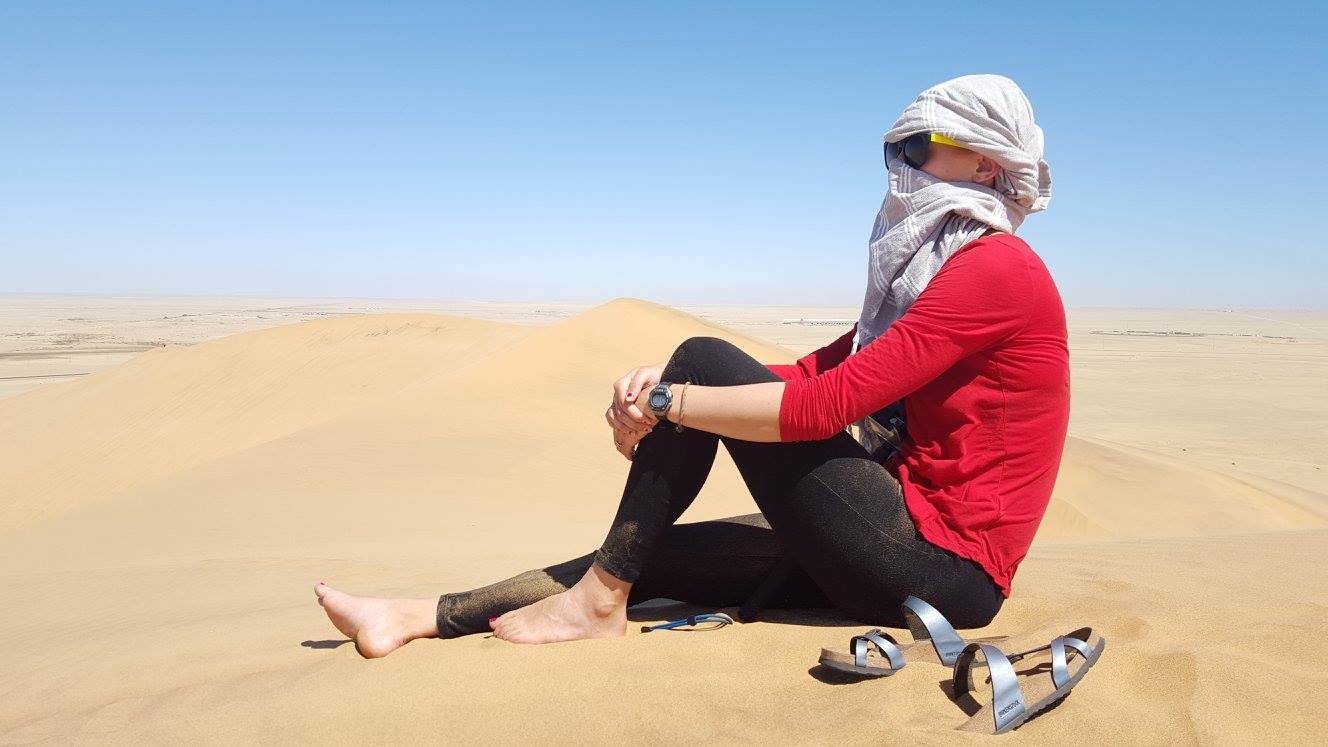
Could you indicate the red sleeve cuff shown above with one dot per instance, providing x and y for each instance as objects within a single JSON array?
[
  {"x": 799, "y": 418},
  {"x": 785, "y": 371}
]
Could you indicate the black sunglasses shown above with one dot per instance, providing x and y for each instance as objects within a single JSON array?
[{"x": 916, "y": 148}]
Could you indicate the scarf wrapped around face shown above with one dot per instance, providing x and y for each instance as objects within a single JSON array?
[{"x": 924, "y": 220}]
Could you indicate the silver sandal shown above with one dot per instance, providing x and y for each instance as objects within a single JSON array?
[
  {"x": 878, "y": 654},
  {"x": 1071, "y": 657}
]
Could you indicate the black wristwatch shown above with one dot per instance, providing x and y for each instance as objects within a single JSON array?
[{"x": 661, "y": 399}]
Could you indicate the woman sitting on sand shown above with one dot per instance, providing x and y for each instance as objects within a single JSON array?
[{"x": 961, "y": 320}]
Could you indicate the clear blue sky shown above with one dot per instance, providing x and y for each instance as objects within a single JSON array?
[{"x": 557, "y": 151}]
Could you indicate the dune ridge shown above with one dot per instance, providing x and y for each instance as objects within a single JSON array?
[
  {"x": 164, "y": 520},
  {"x": 173, "y": 408}
]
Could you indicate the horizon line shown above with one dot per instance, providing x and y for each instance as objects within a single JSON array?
[{"x": 451, "y": 299}]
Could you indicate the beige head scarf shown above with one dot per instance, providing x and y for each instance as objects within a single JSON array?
[{"x": 924, "y": 220}]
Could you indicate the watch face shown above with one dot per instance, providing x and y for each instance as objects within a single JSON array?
[{"x": 657, "y": 400}]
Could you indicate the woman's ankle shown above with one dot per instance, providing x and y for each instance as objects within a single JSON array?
[
  {"x": 419, "y": 617},
  {"x": 604, "y": 593}
]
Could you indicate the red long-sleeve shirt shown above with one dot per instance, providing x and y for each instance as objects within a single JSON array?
[{"x": 983, "y": 360}]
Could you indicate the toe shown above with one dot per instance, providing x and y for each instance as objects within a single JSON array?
[{"x": 330, "y": 594}]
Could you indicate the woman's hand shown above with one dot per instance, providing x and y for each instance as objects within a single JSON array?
[
  {"x": 626, "y": 444},
  {"x": 624, "y": 412},
  {"x": 625, "y": 438},
  {"x": 629, "y": 421}
]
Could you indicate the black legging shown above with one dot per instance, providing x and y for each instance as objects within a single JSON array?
[{"x": 836, "y": 513}]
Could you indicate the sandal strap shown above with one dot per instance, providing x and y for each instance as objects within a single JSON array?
[
  {"x": 926, "y": 622},
  {"x": 1060, "y": 671},
  {"x": 1007, "y": 703},
  {"x": 858, "y": 645}
]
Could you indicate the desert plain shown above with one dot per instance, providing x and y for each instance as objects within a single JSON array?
[{"x": 177, "y": 473}]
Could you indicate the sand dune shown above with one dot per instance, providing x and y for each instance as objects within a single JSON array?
[
  {"x": 1114, "y": 492},
  {"x": 174, "y": 408},
  {"x": 163, "y": 523}
]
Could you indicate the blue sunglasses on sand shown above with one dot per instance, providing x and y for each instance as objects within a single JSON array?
[{"x": 707, "y": 621}]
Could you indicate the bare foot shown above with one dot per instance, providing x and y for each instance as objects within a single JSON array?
[
  {"x": 596, "y": 607},
  {"x": 378, "y": 626}
]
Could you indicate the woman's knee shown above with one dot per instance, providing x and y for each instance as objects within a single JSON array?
[
  {"x": 703, "y": 348},
  {"x": 714, "y": 361}
]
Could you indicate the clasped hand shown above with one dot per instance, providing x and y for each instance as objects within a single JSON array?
[{"x": 629, "y": 419}]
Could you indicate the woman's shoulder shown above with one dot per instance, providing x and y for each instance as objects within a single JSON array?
[
  {"x": 995, "y": 251},
  {"x": 1001, "y": 251},
  {"x": 1000, "y": 263},
  {"x": 998, "y": 241}
]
